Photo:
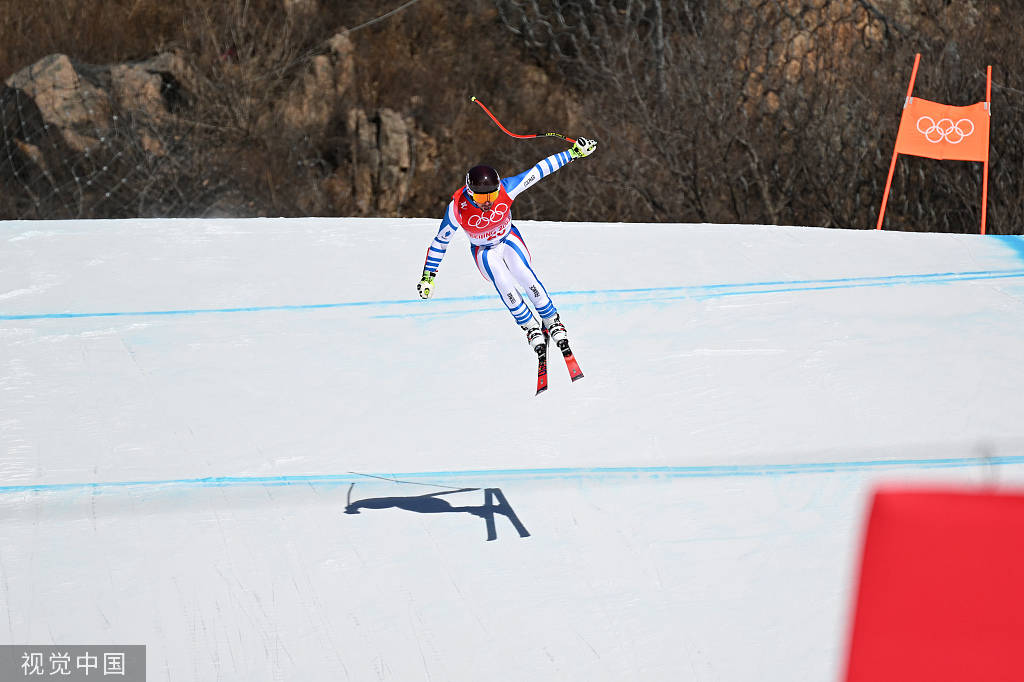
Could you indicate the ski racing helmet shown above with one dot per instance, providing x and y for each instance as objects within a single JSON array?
[{"x": 483, "y": 183}]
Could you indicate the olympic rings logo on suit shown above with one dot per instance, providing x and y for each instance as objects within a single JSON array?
[
  {"x": 944, "y": 129},
  {"x": 493, "y": 217}
]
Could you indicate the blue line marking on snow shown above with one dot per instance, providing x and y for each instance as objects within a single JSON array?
[
  {"x": 667, "y": 293},
  {"x": 556, "y": 473},
  {"x": 202, "y": 311}
]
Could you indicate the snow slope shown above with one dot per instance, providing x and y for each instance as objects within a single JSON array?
[{"x": 189, "y": 406}]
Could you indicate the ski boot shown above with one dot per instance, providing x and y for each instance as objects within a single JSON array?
[
  {"x": 534, "y": 335},
  {"x": 554, "y": 328}
]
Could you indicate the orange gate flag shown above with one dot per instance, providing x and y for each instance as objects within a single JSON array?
[
  {"x": 940, "y": 131},
  {"x": 944, "y": 132}
]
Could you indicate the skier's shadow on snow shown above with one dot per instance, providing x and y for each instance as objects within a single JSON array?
[{"x": 433, "y": 504}]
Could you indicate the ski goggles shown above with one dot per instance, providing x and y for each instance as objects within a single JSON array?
[{"x": 485, "y": 197}]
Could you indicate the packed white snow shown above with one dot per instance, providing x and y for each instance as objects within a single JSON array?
[{"x": 189, "y": 407}]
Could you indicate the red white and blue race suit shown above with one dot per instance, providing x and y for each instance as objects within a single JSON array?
[{"x": 496, "y": 244}]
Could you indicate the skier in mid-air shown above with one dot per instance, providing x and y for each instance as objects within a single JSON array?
[{"x": 483, "y": 208}]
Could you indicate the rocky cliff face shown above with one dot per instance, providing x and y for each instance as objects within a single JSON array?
[
  {"x": 385, "y": 150},
  {"x": 57, "y": 112}
]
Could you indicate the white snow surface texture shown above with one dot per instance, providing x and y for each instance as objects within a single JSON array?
[{"x": 189, "y": 407}]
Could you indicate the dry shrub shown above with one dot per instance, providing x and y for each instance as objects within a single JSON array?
[
  {"x": 780, "y": 112},
  {"x": 759, "y": 111},
  {"x": 97, "y": 32}
]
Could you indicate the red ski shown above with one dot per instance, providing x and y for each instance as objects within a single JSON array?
[
  {"x": 542, "y": 369},
  {"x": 570, "y": 362},
  {"x": 575, "y": 373}
]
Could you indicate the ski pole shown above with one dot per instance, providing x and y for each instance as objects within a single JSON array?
[{"x": 522, "y": 137}]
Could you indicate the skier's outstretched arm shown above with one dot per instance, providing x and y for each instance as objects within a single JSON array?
[
  {"x": 436, "y": 250},
  {"x": 517, "y": 183}
]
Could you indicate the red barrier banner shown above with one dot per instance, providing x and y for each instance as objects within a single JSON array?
[{"x": 941, "y": 589}]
